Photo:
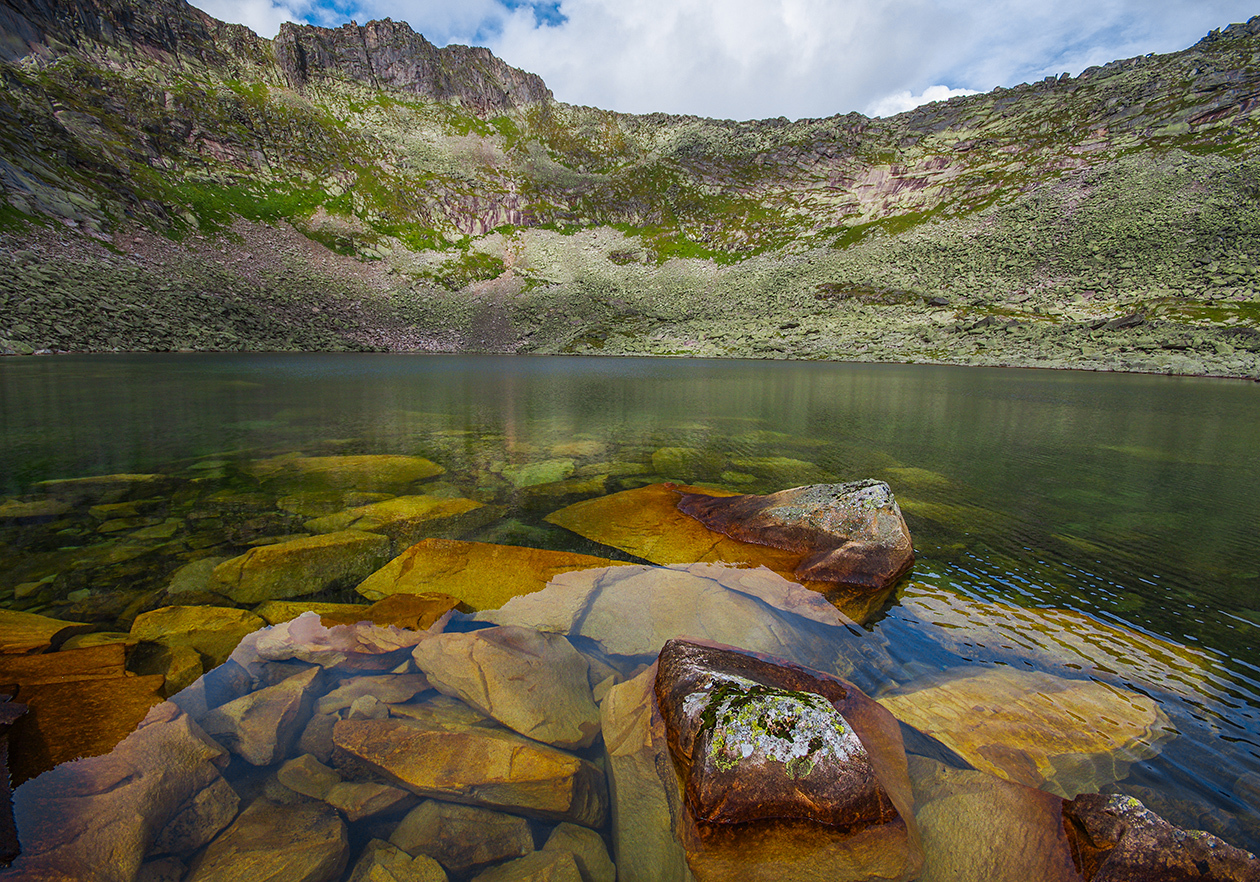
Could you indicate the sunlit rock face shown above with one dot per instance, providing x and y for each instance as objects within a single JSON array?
[
  {"x": 851, "y": 534},
  {"x": 754, "y": 750}
]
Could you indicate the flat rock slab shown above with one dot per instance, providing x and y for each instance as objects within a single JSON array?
[
  {"x": 213, "y": 631},
  {"x": 631, "y": 611},
  {"x": 532, "y": 682},
  {"x": 462, "y": 837},
  {"x": 976, "y": 826},
  {"x": 274, "y": 612},
  {"x": 648, "y": 523},
  {"x": 33, "y": 510},
  {"x": 301, "y": 566},
  {"x": 261, "y": 726},
  {"x": 304, "y": 842},
  {"x": 357, "y": 800},
  {"x": 101, "y": 661},
  {"x": 406, "y": 518},
  {"x": 370, "y": 472},
  {"x": 459, "y": 569},
  {"x": 541, "y": 866},
  {"x": 1065, "y": 736},
  {"x": 477, "y": 766},
  {"x": 849, "y": 534},
  {"x": 757, "y": 741},
  {"x": 388, "y": 688},
  {"x": 22, "y": 632}
]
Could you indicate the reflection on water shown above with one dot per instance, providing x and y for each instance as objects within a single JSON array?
[{"x": 1095, "y": 530}]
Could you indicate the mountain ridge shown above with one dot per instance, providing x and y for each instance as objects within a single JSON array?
[{"x": 461, "y": 202}]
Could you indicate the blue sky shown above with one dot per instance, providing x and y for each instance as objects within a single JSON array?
[{"x": 752, "y": 59}]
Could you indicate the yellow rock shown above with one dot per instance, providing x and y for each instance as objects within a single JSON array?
[
  {"x": 404, "y": 518},
  {"x": 300, "y": 566},
  {"x": 1033, "y": 728},
  {"x": 273, "y": 612},
  {"x": 374, "y": 472},
  {"x": 22, "y": 632},
  {"x": 479, "y": 574},
  {"x": 646, "y": 522},
  {"x": 213, "y": 631}
]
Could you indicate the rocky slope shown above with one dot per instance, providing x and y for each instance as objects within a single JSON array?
[{"x": 173, "y": 182}]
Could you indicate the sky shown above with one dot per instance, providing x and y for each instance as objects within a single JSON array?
[{"x": 756, "y": 59}]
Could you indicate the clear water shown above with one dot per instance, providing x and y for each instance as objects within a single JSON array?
[{"x": 1119, "y": 501}]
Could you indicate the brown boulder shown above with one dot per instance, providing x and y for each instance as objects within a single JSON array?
[
  {"x": 300, "y": 566},
  {"x": 22, "y": 632},
  {"x": 462, "y": 837},
  {"x": 477, "y": 766},
  {"x": 1115, "y": 838},
  {"x": 849, "y": 534},
  {"x": 757, "y": 741}
]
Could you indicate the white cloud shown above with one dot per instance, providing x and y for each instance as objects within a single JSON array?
[
  {"x": 899, "y": 102},
  {"x": 764, "y": 58}
]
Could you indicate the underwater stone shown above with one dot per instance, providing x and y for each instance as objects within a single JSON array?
[
  {"x": 852, "y": 534},
  {"x": 757, "y": 742},
  {"x": 406, "y": 519},
  {"x": 588, "y": 850},
  {"x": 541, "y": 866},
  {"x": 532, "y": 682},
  {"x": 260, "y": 726},
  {"x": 357, "y": 800},
  {"x": 476, "y": 766},
  {"x": 462, "y": 837},
  {"x": 303, "y": 842},
  {"x": 300, "y": 566},
  {"x": 368, "y": 472},
  {"x": 213, "y": 631},
  {"x": 22, "y": 632},
  {"x": 199, "y": 820},
  {"x": 383, "y": 862}
]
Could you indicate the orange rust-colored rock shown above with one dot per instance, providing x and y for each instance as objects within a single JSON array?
[
  {"x": 460, "y": 569},
  {"x": 850, "y": 534},
  {"x": 647, "y": 522}
]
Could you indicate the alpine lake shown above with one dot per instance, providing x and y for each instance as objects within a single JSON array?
[{"x": 1082, "y": 615}]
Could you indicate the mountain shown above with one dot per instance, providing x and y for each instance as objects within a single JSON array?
[{"x": 174, "y": 182}]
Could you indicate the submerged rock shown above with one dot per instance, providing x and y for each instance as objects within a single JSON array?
[
  {"x": 96, "y": 818},
  {"x": 213, "y": 631},
  {"x": 476, "y": 766},
  {"x": 406, "y": 519},
  {"x": 976, "y": 826},
  {"x": 383, "y": 862},
  {"x": 303, "y": 842},
  {"x": 851, "y": 534},
  {"x": 1066, "y": 736},
  {"x": 459, "y": 569},
  {"x": 532, "y": 682},
  {"x": 370, "y": 472},
  {"x": 199, "y": 819},
  {"x": 629, "y": 612},
  {"x": 23, "y": 632},
  {"x": 462, "y": 837},
  {"x": 588, "y": 850},
  {"x": 301, "y": 566},
  {"x": 541, "y": 866},
  {"x": 261, "y": 726}
]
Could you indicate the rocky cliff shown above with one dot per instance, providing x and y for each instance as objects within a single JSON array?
[{"x": 360, "y": 187}]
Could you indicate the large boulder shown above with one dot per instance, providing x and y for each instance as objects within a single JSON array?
[
  {"x": 849, "y": 534},
  {"x": 301, "y": 566},
  {"x": 22, "y": 632},
  {"x": 532, "y": 682},
  {"x": 475, "y": 766},
  {"x": 213, "y": 631},
  {"x": 1066, "y": 736},
  {"x": 658, "y": 833},
  {"x": 648, "y": 522},
  {"x": 755, "y": 741}
]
